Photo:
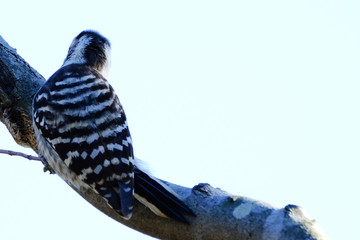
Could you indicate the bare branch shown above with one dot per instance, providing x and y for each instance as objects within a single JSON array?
[
  {"x": 19, "y": 154},
  {"x": 220, "y": 215}
]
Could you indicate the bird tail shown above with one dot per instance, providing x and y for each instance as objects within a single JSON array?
[
  {"x": 159, "y": 197},
  {"x": 123, "y": 204}
]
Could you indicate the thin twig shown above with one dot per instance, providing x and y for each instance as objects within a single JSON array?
[{"x": 19, "y": 154}]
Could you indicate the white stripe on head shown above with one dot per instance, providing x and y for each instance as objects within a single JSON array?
[
  {"x": 105, "y": 70},
  {"x": 76, "y": 51}
]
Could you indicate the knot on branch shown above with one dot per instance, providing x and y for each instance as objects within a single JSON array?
[{"x": 202, "y": 188}]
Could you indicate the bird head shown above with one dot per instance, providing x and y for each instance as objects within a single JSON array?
[{"x": 91, "y": 49}]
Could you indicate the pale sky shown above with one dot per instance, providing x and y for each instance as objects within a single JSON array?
[{"x": 258, "y": 98}]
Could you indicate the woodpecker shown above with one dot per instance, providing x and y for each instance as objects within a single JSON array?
[{"x": 82, "y": 132}]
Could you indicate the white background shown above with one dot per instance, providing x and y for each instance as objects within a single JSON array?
[{"x": 259, "y": 98}]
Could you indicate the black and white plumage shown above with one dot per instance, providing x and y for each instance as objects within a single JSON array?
[{"x": 82, "y": 132}]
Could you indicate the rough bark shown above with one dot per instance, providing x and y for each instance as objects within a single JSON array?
[{"x": 220, "y": 215}]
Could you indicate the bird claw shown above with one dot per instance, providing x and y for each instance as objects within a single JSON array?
[{"x": 47, "y": 167}]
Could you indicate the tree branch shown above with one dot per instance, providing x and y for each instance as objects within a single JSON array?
[
  {"x": 19, "y": 154},
  {"x": 220, "y": 215}
]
